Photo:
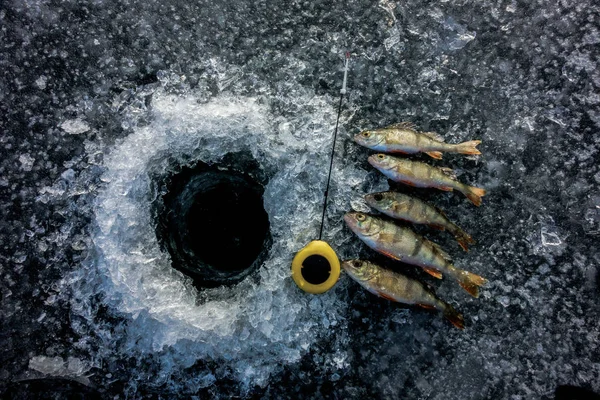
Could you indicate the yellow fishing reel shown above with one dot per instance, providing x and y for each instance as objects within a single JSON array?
[{"x": 316, "y": 268}]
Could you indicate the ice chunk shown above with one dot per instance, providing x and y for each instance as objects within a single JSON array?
[
  {"x": 549, "y": 238},
  {"x": 359, "y": 204},
  {"x": 460, "y": 35},
  {"x": 41, "y": 82},
  {"x": 75, "y": 126},
  {"x": 48, "y": 365},
  {"x": 26, "y": 161}
]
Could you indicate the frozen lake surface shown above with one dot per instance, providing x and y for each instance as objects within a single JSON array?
[{"x": 102, "y": 101}]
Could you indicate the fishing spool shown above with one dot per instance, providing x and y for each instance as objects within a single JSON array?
[{"x": 316, "y": 267}]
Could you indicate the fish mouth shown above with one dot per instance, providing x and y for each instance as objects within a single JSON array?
[
  {"x": 373, "y": 161},
  {"x": 350, "y": 219},
  {"x": 382, "y": 163},
  {"x": 358, "y": 139}
]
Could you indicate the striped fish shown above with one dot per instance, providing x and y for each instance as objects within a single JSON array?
[
  {"x": 419, "y": 174},
  {"x": 404, "y": 138},
  {"x": 407, "y": 208},
  {"x": 402, "y": 244},
  {"x": 397, "y": 287}
]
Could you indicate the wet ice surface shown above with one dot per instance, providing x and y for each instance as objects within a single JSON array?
[{"x": 97, "y": 99}]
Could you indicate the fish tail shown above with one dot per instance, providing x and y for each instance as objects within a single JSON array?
[
  {"x": 474, "y": 194},
  {"x": 469, "y": 147},
  {"x": 462, "y": 237},
  {"x": 471, "y": 282},
  {"x": 454, "y": 316}
]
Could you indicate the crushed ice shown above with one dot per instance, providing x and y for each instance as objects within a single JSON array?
[{"x": 254, "y": 328}]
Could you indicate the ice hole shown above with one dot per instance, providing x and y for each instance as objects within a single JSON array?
[{"x": 214, "y": 224}]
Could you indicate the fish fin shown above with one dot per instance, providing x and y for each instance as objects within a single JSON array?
[
  {"x": 454, "y": 317},
  {"x": 408, "y": 183},
  {"x": 463, "y": 238},
  {"x": 385, "y": 296},
  {"x": 434, "y": 154},
  {"x": 471, "y": 282},
  {"x": 449, "y": 172},
  {"x": 426, "y": 306},
  {"x": 402, "y": 125},
  {"x": 440, "y": 211},
  {"x": 469, "y": 147},
  {"x": 435, "y": 136},
  {"x": 433, "y": 272},
  {"x": 446, "y": 188},
  {"x": 474, "y": 194},
  {"x": 439, "y": 250},
  {"x": 390, "y": 255}
]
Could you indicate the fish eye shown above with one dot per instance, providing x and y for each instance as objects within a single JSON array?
[
  {"x": 380, "y": 156},
  {"x": 378, "y": 197},
  {"x": 366, "y": 134},
  {"x": 360, "y": 217}
]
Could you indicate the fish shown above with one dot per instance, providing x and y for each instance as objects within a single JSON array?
[
  {"x": 407, "y": 208},
  {"x": 404, "y": 138},
  {"x": 402, "y": 244},
  {"x": 419, "y": 174},
  {"x": 396, "y": 287}
]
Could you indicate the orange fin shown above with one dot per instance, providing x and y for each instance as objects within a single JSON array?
[
  {"x": 385, "y": 296},
  {"x": 463, "y": 238},
  {"x": 427, "y": 306},
  {"x": 446, "y": 188},
  {"x": 454, "y": 317},
  {"x": 474, "y": 194},
  {"x": 433, "y": 272},
  {"x": 408, "y": 183},
  {"x": 471, "y": 282},
  {"x": 434, "y": 154},
  {"x": 469, "y": 147},
  {"x": 390, "y": 255}
]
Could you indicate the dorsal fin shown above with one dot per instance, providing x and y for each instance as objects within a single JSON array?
[
  {"x": 440, "y": 251},
  {"x": 402, "y": 125},
  {"x": 448, "y": 172},
  {"x": 434, "y": 136}
]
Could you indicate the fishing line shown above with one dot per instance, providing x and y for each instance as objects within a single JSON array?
[
  {"x": 316, "y": 267},
  {"x": 337, "y": 122}
]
